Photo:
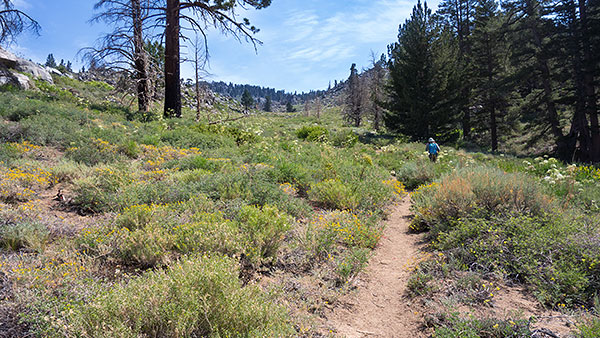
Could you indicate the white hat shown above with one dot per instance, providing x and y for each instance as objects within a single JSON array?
[{"x": 431, "y": 140}]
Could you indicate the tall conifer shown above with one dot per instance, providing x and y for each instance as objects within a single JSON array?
[{"x": 422, "y": 92}]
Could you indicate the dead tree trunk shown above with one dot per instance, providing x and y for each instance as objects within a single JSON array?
[
  {"x": 172, "y": 65},
  {"x": 140, "y": 58}
]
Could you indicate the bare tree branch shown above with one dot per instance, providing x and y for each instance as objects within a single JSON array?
[{"x": 13, "y": 22}]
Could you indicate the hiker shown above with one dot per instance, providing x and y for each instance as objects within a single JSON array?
[{"x": 433, "y": 149}]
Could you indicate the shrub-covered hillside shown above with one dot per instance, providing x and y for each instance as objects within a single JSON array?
[{"x": 114, "y": 224}]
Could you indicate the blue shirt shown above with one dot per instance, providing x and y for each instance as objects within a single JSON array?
[{"x": 433, "y": 148}]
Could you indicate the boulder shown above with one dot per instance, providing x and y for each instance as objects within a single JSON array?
[
  {"x": 34, "y": 69},
  {"x": 8, "y": 59},
  {"x": 23, "y": 81},
  {"x": 15, "y": 79},
  {"x": 54, "y": 71},
  {"x": 11, "y": 61}
]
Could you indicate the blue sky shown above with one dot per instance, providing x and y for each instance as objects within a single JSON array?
[{"x": 306, "y": 43}]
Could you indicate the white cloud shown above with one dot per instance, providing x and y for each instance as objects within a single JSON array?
[{"x": 325, "y": 37}]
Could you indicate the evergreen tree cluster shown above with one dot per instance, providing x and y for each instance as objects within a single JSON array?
[
  {"x": 63, "y": 66},
  {"x": 281, "y": 96},
  {"x": 487, "y": 71}
]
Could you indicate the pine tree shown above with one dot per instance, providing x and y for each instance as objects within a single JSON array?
[
  {"x": 61, "y": 66},
  {"x": 289, "y": 107},
  {"x": 268, "y": 104},
  {"x": 247, "y": 100},
  {"x": 488, "y": 69},
  {"x": 421, "y": 90},
  {"x": 579, "y": 25},
  {"x": 458, "y": 16},
  {"x": 50, "y": 61},
  {"x": 376, "y": 90},
  {"x": 354, "y": 101},
  {"x": 536, "y": 61}
]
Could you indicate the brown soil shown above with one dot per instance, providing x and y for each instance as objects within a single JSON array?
[
  {"x": 60, "y": 219},
  {"x": 381, "y": 307}
]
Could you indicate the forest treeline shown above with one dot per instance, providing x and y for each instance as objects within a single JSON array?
[
  {"x": 484, "y": 71},
  {"x": 237, "y": 90}
]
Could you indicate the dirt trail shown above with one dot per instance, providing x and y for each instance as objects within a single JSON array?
[{"x": 380, "y": 307}]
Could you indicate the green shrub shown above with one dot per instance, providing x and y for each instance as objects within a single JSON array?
[
  {"x": 254, "y": 187},
  {"x": 414, "y": 174},
  {"x": 324, "y": 234},
  {"x": 116, "y": 188},
  {"x": 96, "y": 151},
  {"x": 374, "y": 194},
  {"x": 196, "y": 162},
  {"x": 68, "y": 171},
  {"x": 129, "y": 148},
  {"x": 263, "y": 229},
  {"x": 542, "y": 252},
  {"x": 30, "y": 235},
  {"x": 19, "y": 108},
  {"x": 286, "y": 171},
  {"x": 55, "y": 92},
  {"x": 590, "y": 328},
  {"x": 148, "y": 247},
  {"x": 240, "y": 137},
  {"x": 451, "y": 326},
  {"x": 209, "y": 232},
  {"x": 351, "y": 263},
  {"x": 101, "y": 85},
  {"x": 344, "y": 138},
  {"x": 8, "y": 153},
  {"x": 503, "y": 223},
  {"x": 149, "y": 236},
  {"x": 418, "y": 284},
  {"x": 482, "y": 189},
  {"x": 138, "y": 216},
  {"x": 55, "y": 130},
  {"x": 333, "y": 194},
  {"x": 100, "y": 191},
  {"x": 159, "y": 244},
  {"x": 184, "y": 137},
  {"x": 313, "y": 133},
  {"x": 197, "y": 297}
]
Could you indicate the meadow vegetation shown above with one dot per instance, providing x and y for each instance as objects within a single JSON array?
[{"x": 190, "y": 217}]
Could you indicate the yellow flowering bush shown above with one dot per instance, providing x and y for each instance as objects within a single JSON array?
[
  {"x": 583, "y": 173},
  {"x": 23, "y": 183},
  {"x": 50, "y": 274},
  {"x": 24, "y": 147},
  {"x": 154, "y": 157},
  {"x": 344, "y": 228},
  {"x": 398, "y": 187}
]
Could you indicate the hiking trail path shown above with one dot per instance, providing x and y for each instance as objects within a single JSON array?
[{"x": 380, "y": 307}]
